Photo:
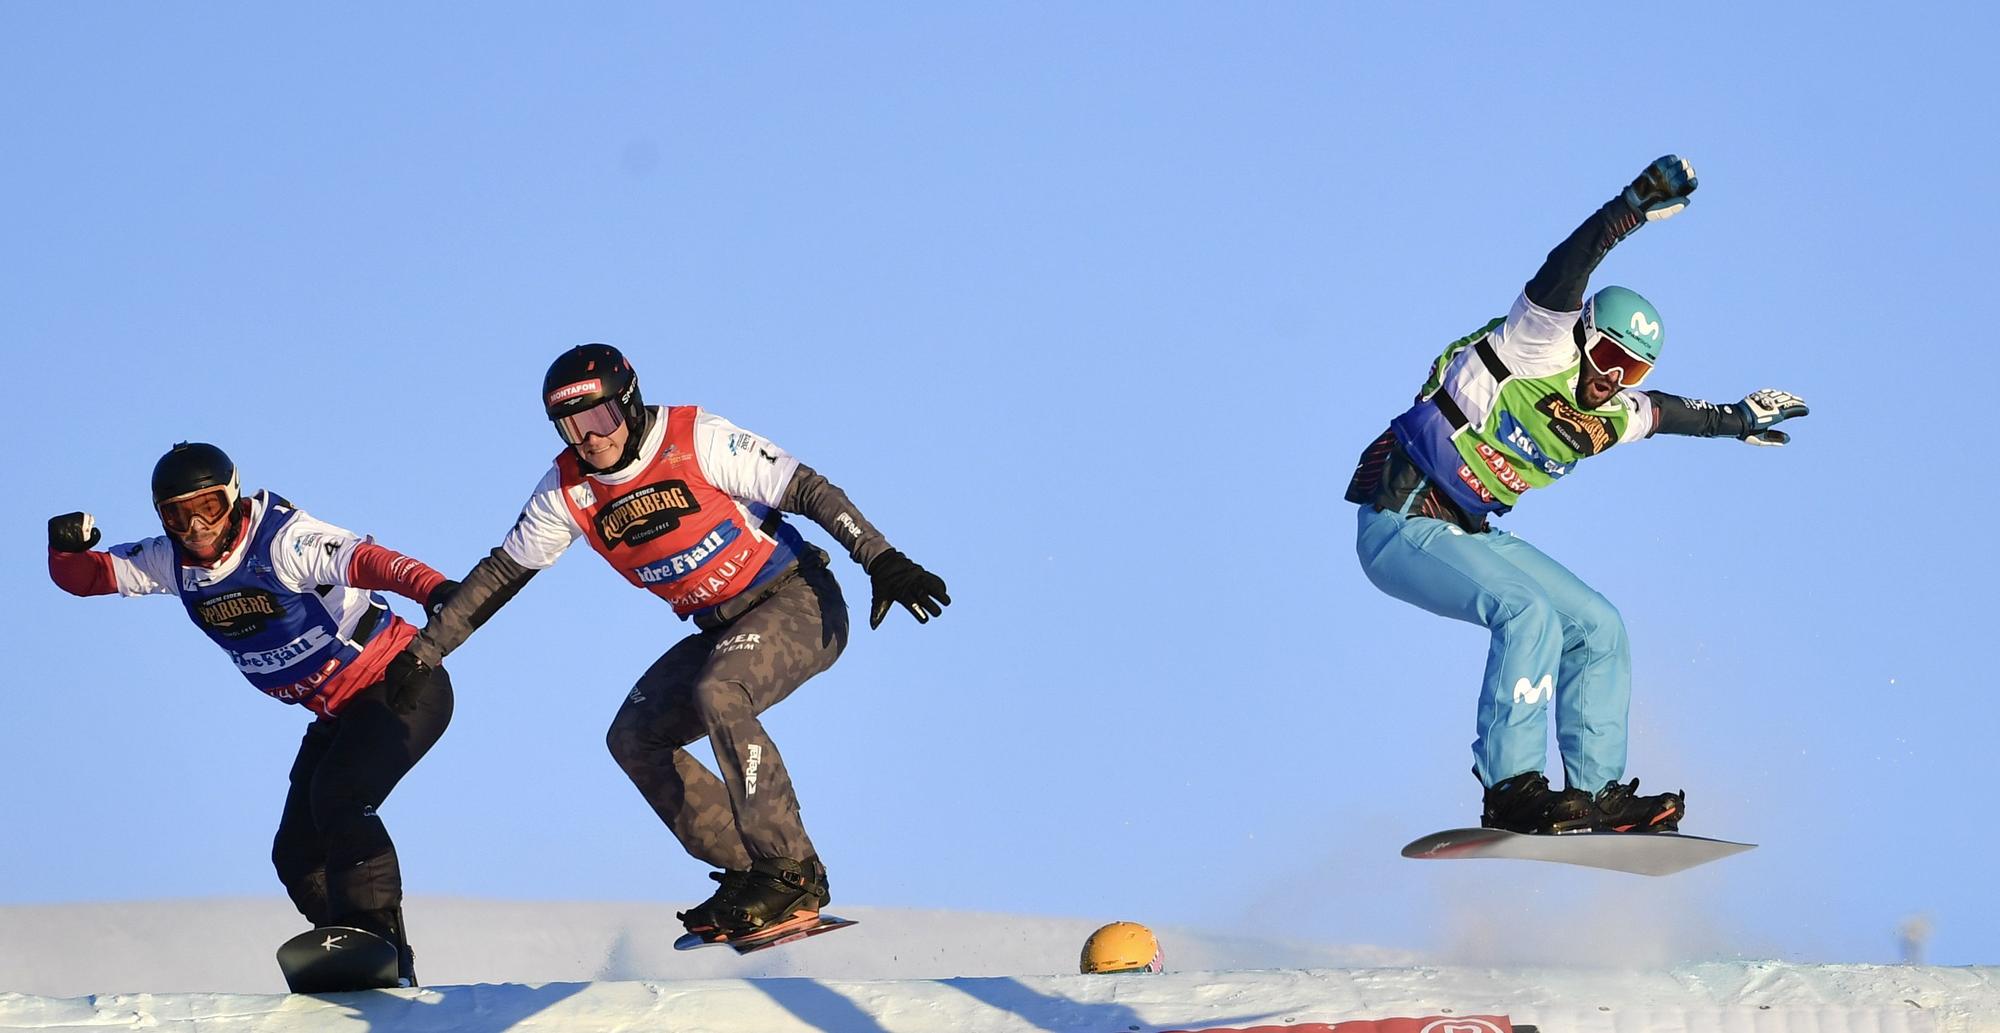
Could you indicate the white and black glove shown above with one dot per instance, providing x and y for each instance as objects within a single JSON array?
[
  {"x": 1762, "y": 410},
  {"x": 73, "y": 532},
  {"x": 1662, "y": 190}
]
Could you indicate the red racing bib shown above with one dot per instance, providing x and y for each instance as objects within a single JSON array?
[{"x": 669, "y": 530}]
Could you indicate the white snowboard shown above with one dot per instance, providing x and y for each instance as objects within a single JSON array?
[{"x": 1641, "y": 853}]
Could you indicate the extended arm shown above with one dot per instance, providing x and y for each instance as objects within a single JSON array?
[
  {"x": 457, "y": 610},
  {"x": 817, "y": 499},
  {"x": 470, "y": 603},
  {"x": 539, "y": 536},
  {"x": 1750, "y": 419},
  {"x": 72, "y": 566},
  {"x": 134, "y": 568},
  {"x": 1660, "y": 192},
  {"x": 894, "y": 577},
  {"x": 373, "y": 568},
  {"x": 753, "y": 468}
]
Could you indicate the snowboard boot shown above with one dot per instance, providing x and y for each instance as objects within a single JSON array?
[
  {"x": 706, "y": 917},
  {"x": 1620, "y": 808},
  {"x": 776, "y": 892},
  {"x": 1525, "y": 803}
]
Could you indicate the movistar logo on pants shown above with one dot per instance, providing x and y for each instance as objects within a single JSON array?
[
  {"x": 1532, "y": 693},
  {"x": 687, "y": 561}
]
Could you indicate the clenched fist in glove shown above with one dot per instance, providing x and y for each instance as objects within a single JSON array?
[
  {"x": 72, "y": 532},
  {"x": 1662, "y": 190}
]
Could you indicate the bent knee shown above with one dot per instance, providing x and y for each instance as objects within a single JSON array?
[
  {"x": 627, "y": 739},
  {"x": 722, "y": 700},
  {"x": 1601, "y": 627},
  {"x": 1522, "y": 608},
  {"x": 295, "y": 858}
]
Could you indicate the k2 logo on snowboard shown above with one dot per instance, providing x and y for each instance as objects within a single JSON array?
[
  {"x": 646, "y": 514},
  {"x": 1584, "y": 433},
  {"x": 239, "y": 614}
]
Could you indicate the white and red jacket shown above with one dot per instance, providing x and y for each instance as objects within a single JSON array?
[
  {"x": 293, "y": 603},
  {"x": 692, "y": 519}
]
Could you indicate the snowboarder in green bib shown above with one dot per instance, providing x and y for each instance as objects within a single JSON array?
[{"x": 1513, "y": 406}]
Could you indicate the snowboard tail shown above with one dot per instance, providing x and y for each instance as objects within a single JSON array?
[
  {"x": 337, "y": 959},
  {"x": 1639, "y": 853}
]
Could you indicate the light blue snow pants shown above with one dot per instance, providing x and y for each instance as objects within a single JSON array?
[{"x": 1553, "y": 636}]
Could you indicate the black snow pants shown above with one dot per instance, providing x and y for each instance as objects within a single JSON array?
[{"x": 332, "y": 851}]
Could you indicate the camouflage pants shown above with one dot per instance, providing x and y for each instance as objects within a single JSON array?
[{"x": 713, "y": 684}]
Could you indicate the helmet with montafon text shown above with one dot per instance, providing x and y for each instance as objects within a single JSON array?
[{"x": 592, "y": 389}]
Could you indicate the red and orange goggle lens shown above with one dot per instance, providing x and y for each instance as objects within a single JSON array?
[
  {"x": 209, "y": 506},
  {"x": 1606, "y": 355}
]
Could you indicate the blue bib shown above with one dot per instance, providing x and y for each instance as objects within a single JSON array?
[{"x": 286, "y": 643}]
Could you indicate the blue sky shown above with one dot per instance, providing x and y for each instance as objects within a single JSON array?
[{"x": 1090, "y": 309}]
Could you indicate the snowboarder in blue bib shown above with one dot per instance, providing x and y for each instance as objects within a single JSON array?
[{"x": 1513, "y": 406}]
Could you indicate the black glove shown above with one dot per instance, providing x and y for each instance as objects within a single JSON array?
[
  {"x": 405, "y": 681},
  {"x": 898, "y": 579},
  {"x": 72, "y": 532},
  {"x": 439, "y": 596}
]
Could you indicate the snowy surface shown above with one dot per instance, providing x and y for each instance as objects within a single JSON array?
[
  {"x": 74, "y": 949},
  {"x": 1716, "y": 998},
  {"x": 586, "y": 967}
]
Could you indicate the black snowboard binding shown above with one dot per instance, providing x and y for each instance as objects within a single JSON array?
[
  {"x": 777, "y": 891},
  {"x": 706, "y": 917},
  {"x": 388, "y": 924},
  {"x": 1526, "y": 804},
  {"x": 1620, "y": 808}
]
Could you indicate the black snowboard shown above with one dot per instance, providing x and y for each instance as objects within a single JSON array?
[
  {"x": 759, "y": 941},
  {"x": 1640, "y": 853},
  {"x": 336, "y": 958}
]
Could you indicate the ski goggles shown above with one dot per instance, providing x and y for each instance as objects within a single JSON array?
[
  {"x": 1608, "y": 355},
  {"x": 208, "y": 505},
  {"x": 600, "y": 419}
]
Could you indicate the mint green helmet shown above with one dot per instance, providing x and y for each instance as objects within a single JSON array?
[{"x": 1628, "y": 319}]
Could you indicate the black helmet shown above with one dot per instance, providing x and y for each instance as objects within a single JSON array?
[
  {"x": 586, "y": 377},
  {"x": 191, "y": 466},
  {"x": 197, "y": 481}
]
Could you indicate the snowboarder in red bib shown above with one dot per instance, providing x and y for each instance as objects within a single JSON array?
[
  {"x": 1511, "y": 407},
  {"x": 296, "y": 604},
  {"x": 687, "y": 506}
]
